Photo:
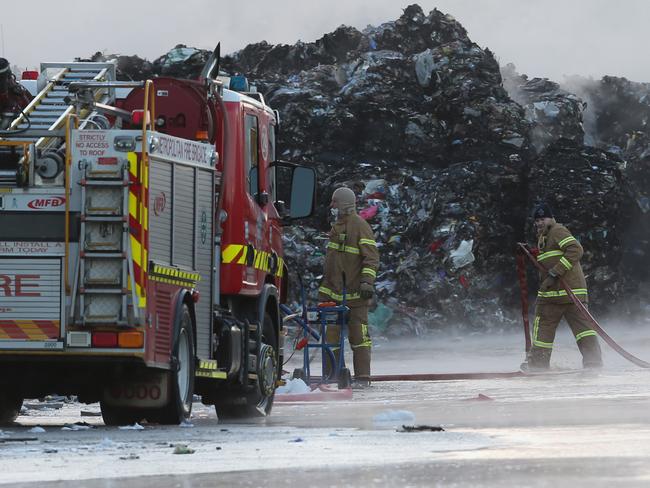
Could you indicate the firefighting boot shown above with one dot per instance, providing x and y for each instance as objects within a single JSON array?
[
  {"x": 539, "y": 359},
  {"x": 590, "y": 349},
  {"x": 361, "y": 362},
  {"x": 332, "y": 337}
]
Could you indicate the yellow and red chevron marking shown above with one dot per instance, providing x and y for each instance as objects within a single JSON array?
[
  {"x": 237, "y": 254},
  {"x": 138, "y": 217},
  {"x": 30, "y": 330}
]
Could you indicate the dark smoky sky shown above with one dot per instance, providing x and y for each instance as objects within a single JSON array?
[{"x": 549, "y": 38}]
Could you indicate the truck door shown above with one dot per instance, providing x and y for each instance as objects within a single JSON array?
[{"x": 253, "y": 218}]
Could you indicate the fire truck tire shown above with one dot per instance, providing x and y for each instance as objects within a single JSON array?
[
  {"x": 259, "y": 402},
  {"x": 9, "y": 408},
  {"x": 182, "y": 383},
  {"x": 116, "y": 416}
]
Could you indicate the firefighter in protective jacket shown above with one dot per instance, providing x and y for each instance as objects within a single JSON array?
[
  {"x": 351, "y": 262},
  {"x": 559, "y": 254}
]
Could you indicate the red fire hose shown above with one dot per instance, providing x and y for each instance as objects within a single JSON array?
[
  {"x": 583, "y": 310},
  {"x": 523, "y": 286}
]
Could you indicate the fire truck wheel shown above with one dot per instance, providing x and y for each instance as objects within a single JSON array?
[
  {"x": 116, "y": 416},
  {"x": 9, "y": 408},
  {"x": 259, "y": 402},
  {"x": 182, "y": 383}
]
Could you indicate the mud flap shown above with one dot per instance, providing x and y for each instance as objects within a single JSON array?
[{"x": 148, "y": 391}]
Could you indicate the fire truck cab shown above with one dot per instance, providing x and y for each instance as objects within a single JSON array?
[{"x": 141, "y": 249}]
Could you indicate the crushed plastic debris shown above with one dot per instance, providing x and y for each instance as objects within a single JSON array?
[
  {"x": 132, "y": 456},
  {"x": 183, "y": 449},
  {"x": 36, "y": 430},
  {"x": 293, "y": 386},
  {"x": 420, "y": 428},
  {"x": 481, "y": 397},
  {"x": 77, "y": 426},
  {"x": 106, "y": 443},
  {"x": 393, "y": 417},
  {"x": 135, "y": 426}
]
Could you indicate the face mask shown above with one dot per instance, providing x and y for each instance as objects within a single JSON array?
[{"x": 335, "y": 213}]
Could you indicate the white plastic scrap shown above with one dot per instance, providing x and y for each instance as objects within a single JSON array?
[
  {"x": 391, "y": 417},
  {"x": 462, "y": 255},
  {"x": 293, "y": 386},
  {"x": 36, "y": 430},
  {"x": 135, "y": 426}
]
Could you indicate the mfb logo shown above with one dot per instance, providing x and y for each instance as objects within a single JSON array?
[
  {"x": 51, "y": 202},
  {"x": 159, "y": 203}
]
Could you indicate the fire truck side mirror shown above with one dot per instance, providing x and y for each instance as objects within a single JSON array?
[
  {"x": 303, "y": 192},
  {"x": 295, "y": 190}
]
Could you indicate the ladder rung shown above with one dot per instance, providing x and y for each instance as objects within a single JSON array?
[
  {"x": 99, "y": 281},
  {"x": 35, "y": 125},
  {"x": 108, "y": 255},
  {"x": 103, "y": 218},
  {"x": 102, "y": 319},
  {"x": 43, "y": 118},
  {"x": 48, "y": 108},
  {"x": 103, "y": 291},
  {"x": 58, "y": 103},
  {"x": 104, "y": 182}
]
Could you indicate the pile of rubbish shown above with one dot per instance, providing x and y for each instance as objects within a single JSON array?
[
  {"x": 448, "y": 152},
  {"x": 554, "y": 113}
]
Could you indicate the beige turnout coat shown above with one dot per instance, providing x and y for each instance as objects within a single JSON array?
[
  {"x": 351, "y": 252},
  {"x": 560, "y": 251}
]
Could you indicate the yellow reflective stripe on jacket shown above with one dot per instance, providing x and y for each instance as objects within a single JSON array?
[
  {"x": 338, "y": 247},
  {"x": 586, "y": 333},
  {"x": 536, "y": 342},
  {"x": 369, "y": 242},
  {"x": 549, "y": 254},
  {"x": 561, "y": 293},
  {"x": 566, "y": 240},
  {"x": 369, "y": 271},
  {"x": 349, "y": 296},
  {"x": 567, "y": 264}
]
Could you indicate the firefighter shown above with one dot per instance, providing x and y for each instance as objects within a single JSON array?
[
  {"x": 13, "y": 96},
  {"x": 559, "y": 254},
  {"x": 351, "y": 262}
]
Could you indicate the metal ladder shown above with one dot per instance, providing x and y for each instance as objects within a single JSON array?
[
  {"x": 43, "y": 120},
  {"x": 105, "y": 263}
]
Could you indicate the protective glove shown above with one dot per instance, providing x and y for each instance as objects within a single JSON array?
[{"x": 366, "y": 291}]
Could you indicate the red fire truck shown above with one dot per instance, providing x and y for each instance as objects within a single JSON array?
[{"x": 141, "y": 245}]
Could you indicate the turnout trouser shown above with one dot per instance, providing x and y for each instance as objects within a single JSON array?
[
  {"x": 359, "y": 339},
  {"x": 547, "y": 318}
]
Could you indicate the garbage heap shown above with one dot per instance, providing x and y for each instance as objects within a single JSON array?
[
  {"x": 447, "y": 164},
  {"x": 616, "y": 120},
  {"x": 555, "y": 114}
]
